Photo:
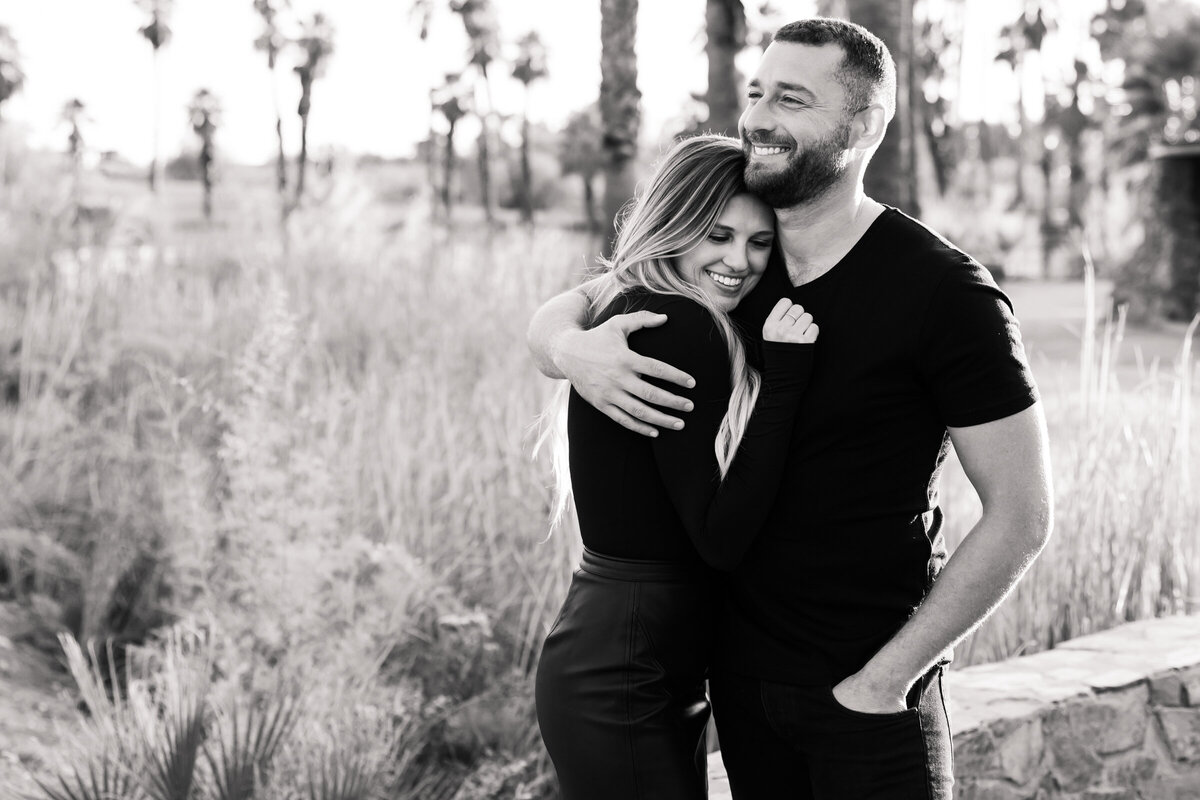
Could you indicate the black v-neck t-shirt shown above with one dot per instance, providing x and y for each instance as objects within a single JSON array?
[{"x": 915, "y": 337}]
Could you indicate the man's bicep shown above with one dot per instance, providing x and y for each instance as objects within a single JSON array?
[
  {"x": 563, "y": 312},
  {"x": 1008, "y": 461}
]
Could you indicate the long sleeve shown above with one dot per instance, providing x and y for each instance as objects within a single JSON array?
[{"x": 722, "y": 518}]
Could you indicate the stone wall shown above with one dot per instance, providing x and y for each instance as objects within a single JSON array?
[{"x": 1111, "y": 716}]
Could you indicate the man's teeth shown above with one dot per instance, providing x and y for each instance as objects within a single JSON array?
[
  {"x": 761, "y": 150},
  {"x": 726, "y": 280}
]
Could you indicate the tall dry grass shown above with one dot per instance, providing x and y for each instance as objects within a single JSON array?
[{"x": 320, "y": 453}]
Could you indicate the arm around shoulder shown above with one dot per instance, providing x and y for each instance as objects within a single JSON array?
[{"x": 558, "y": 316}]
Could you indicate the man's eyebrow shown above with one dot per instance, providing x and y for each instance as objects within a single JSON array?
[
  {"x": 784, "y": 86},
  {"x": 797, "y": 88}
]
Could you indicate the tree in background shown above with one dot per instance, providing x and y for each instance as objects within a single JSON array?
[
  {"x": 581, "y": 152},
  {"x": 73, "y": 114},
  {"x": 620, "y": 110},
  {"x": 204, "y": 115},
  {"x": 937, "y": 58},
  {"x": 447, "y": 100},
  {"x": 725, "y": 36},
  {"x": 479, "y": 21},
  {"x": 157, "y": 32},
  {"x": 12, "y": 78},
  {"x": 1155, "y": 49},
  {"x": 529, "y": 67},
  {"x": 1020, "y": 40},
  {"x": 892, "y": 176},
  {"x": 316, "y": 45},
  {"x": 271, "y": 42}
]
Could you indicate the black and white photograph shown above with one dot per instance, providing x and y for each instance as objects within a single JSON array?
[{"x": 599, "y": 400}]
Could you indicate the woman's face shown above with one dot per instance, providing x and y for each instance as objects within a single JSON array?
[{"x": 728, "y": 264}]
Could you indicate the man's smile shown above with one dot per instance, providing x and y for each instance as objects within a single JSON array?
[{"x": 768, "y": 150}]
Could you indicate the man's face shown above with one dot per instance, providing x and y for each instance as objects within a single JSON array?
[{"x": 795, "y": 126}]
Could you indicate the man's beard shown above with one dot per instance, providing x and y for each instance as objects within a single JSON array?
[{"x": 807, "y": 174}]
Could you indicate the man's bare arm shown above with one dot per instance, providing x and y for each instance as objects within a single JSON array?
[
  {"x": 600, "y": 365},
  {"x": 1008, "y": 463}
]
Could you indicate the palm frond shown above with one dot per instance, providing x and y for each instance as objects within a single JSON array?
[
  {"x": 106, "y": 778},
  {"x": 243, "y": 746}
]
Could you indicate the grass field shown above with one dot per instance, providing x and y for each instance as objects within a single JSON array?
[{"x": 312, "y": 451}]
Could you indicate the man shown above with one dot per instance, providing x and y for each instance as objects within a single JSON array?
[{"x": 827, "y": 682}]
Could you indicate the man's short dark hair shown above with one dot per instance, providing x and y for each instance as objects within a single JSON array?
[{"x": 867, "y": 72}]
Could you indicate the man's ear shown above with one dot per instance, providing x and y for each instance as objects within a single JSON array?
[{"x": 867, "y": 128}]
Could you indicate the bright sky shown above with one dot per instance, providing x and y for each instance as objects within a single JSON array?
[{"x": 374, "y": 96}]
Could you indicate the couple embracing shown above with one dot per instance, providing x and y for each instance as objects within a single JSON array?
[{"x": 765, "y": 384}]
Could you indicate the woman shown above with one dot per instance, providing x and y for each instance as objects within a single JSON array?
[{"x": 620, "y": 684}]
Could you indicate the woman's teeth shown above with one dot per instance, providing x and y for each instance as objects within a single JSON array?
[{"x": 726, "y": 280}]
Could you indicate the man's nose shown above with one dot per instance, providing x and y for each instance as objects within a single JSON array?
[{"x": 755, "y": 118}]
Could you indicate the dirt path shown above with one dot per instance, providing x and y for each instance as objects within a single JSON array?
[{"x": 35, "y": 700}]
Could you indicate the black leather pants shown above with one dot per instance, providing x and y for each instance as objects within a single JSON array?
[{"x": 620, "y": 683}]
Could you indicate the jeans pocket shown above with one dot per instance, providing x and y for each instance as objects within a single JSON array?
[{"x": 885, "y": 716}]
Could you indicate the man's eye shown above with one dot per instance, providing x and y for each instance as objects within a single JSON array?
[
  {"x": 795, "y": 101},
  {"x": 753, "y": 95}
]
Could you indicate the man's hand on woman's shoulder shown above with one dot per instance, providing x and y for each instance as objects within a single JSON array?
[{"x": 611, "y": 377}]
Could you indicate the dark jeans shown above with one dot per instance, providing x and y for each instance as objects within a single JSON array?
[{"x": 797, "y": 742}]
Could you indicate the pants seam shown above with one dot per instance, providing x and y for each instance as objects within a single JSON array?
[{"x": 629, "y": 650}]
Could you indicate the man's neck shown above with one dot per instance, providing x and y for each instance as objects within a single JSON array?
[{"x": 815, "y": 236}]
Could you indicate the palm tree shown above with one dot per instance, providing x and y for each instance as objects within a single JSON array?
[
  {"x": 891, "y": 178},
  {"x": 581, "y": 153},
  {"x": 479, "y": 20},
  {"x": 204, "y": 114},
  {"x": 725, "y": 29},
  {"x": 272, "y": 42},
  {"x": 157, "y": 32},
  {"x": 529, "y": 67},
  {"x": 448, "y": 101},
  {"x": 619, "y": 106},
  {"x": 316, "y": 42},
  {"x": 73, "y": 114},
  {"x": 1022, "y": 37},
  {"x": 12, "y": 78}
]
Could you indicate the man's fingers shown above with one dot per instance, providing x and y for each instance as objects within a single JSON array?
[
  {"x": 639, "y": 319},
  {"x": 652, "y": 368},
  {"x": 660, "y": 397},
  {"x": 624, "y": 420}
]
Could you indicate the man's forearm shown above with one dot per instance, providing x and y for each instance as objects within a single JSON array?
[
  {"x": 560, "y": 314},
  {"x": 983, "y": 570}
]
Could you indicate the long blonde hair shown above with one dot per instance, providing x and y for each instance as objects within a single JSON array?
[{"x": 671, "y": 216}]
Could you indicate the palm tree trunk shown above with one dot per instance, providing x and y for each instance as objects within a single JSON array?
[
  {"x": 485, "y": 162},
  {"x": 619, "y": 109},
  {"x": 526, "y": 169},
  {"x": 589, "y": 203},
  {"x": 725, "y": 25},
  {"x": 303, "y": 160},
  {"x": 155, "y": 173},
  {"x": 448, "y": 177},
  {"x": 891, "y": 177},
  {"x": 281, "y": 161}
]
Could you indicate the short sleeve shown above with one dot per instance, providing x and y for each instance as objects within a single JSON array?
[{"x": 971, "y": 356}]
